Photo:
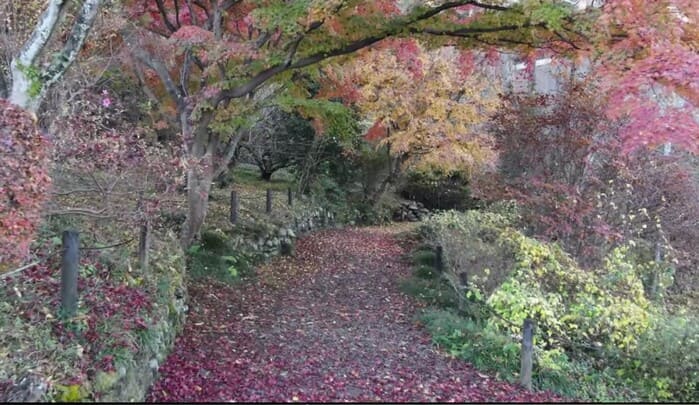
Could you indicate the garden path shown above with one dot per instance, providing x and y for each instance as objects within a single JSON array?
[{"x": 329, "y": 324}]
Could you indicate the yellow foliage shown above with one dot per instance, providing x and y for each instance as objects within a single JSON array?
[{"x": 433, "y": 114}]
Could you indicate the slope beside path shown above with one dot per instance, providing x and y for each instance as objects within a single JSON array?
[{"x": 327, "y": 325}]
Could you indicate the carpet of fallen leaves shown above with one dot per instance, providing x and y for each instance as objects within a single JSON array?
[{"x": 330, "y": 324}]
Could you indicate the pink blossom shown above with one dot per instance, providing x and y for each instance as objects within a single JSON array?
[{"x": 106, "y": 101}]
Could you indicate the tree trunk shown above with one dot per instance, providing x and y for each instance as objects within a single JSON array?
[
  {"x": 198, "y": 188},
  {"x": 200, "y": 175},
  {"x": 266, "y": 176},
  {"x": 29, "y": 82}
]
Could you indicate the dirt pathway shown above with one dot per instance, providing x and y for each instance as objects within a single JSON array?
[{"x": 328, "y": 325}]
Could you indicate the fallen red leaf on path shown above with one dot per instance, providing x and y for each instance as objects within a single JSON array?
[{"x": 327, "y": 325}]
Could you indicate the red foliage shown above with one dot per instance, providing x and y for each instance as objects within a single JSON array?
[
  {"x": 557, "y": 153},
  {"x": 667, "y": 187},
  {"x": 24, "y": 181},
  {"x": 376, "y": 132},
  {"x": 377, "y": 7},
  {"x": 652, "y": 53},
  {"x": 327, "y": 326},
  {"x": 109, "y": 306}
]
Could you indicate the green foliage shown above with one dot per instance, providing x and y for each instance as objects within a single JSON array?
[
  {"x": 334, "y": 117},
  {"x": 466, "y": 339},
  {"x": 425, "y": 257},
  {"x": 437, "y": 189},
  {"x": 471, "y": 243},
  {"x": 551, "y": 14},
  {"x": 376, "y": 213},
  {"x": 71, "y": 393},
  {"x": 426, "y": 272},
  {"x": 216, "y": 257},
  {"x": 598, "y": 337},
  {"x": 283, "y": 15},
  {"x": 34, "y": 75},
  {"x": 664, "y": 365},
  {"x": 431, "y": 291}
]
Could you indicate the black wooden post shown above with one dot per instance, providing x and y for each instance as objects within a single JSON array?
[
  {"x": 463, "y": 280},
  {"x": 143, "y": 247},
  {"x": 234, "y": 207},
  {"x": 439, "y": 259},
  {"x": 69, "y": 273},
  {"x": 287, "y": 248},
  {"x": 269, "y": 201},
  {"x": 527, "y": 351},
  {"x": 290, "y": 197}
]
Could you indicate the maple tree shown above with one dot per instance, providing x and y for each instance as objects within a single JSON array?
[
  {"x": 208, "y": 56},
  {"x": 646, "y": 57},
  {"x": 427, "y": 107},
  {"x": 557, "y": 152}
]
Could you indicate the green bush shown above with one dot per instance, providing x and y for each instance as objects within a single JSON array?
[
  {"x": 519, "y": 277},
  {"x": 493, "y": 351},
  {"x": 215, "y": 257},
  {"x": 437, "y": 189},
  {"x": 425, "y": 257},
  {"x": 426, "y": 272},
  {"x": 432, "y": 291},
  {"x": 665, "y": 364},
  {"x": 598, "y": 336}
]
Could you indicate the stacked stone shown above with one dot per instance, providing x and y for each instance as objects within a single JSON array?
[{"x": 411, "y": 211}]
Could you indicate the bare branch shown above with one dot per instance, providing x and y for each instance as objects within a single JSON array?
[
  {"x": 163, "y": 14},
  {"x": 28, "y": 266},
  {"x": 161, "y": 70},
  {"x": 81, "y": 211}
]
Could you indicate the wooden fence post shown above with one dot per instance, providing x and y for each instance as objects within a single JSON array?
[
  {"x": 525, "y": 372},
  {"x": 143, "y": 247},
  {"x": 69, "y": 273},
  {"x": 269, "y": 201},
  {"x": 439, "y": 259},
  {"x": 290, "y": 197},
  {"x": 234, "y": 207}
]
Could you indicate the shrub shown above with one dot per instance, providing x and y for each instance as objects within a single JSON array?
[
  {"x": 24, "y": 182},
  {"x": 520, "y": 277},
  {"x": 431, "y": 291},
  {"x": 216, "y": 257},
  {"x": 425, "y": 257},
  {"x": 664, "y": 365},
  {"x": 468, "y": 246},
  {"x": 491, "y": 350},
  {"x": 598, "y": 336},
  {"x": 436, "y": 189}
]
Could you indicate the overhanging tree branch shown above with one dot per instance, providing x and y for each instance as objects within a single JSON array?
[
  {"x": 269, "y": 73},
  {"x": 265, "y": 75}
]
